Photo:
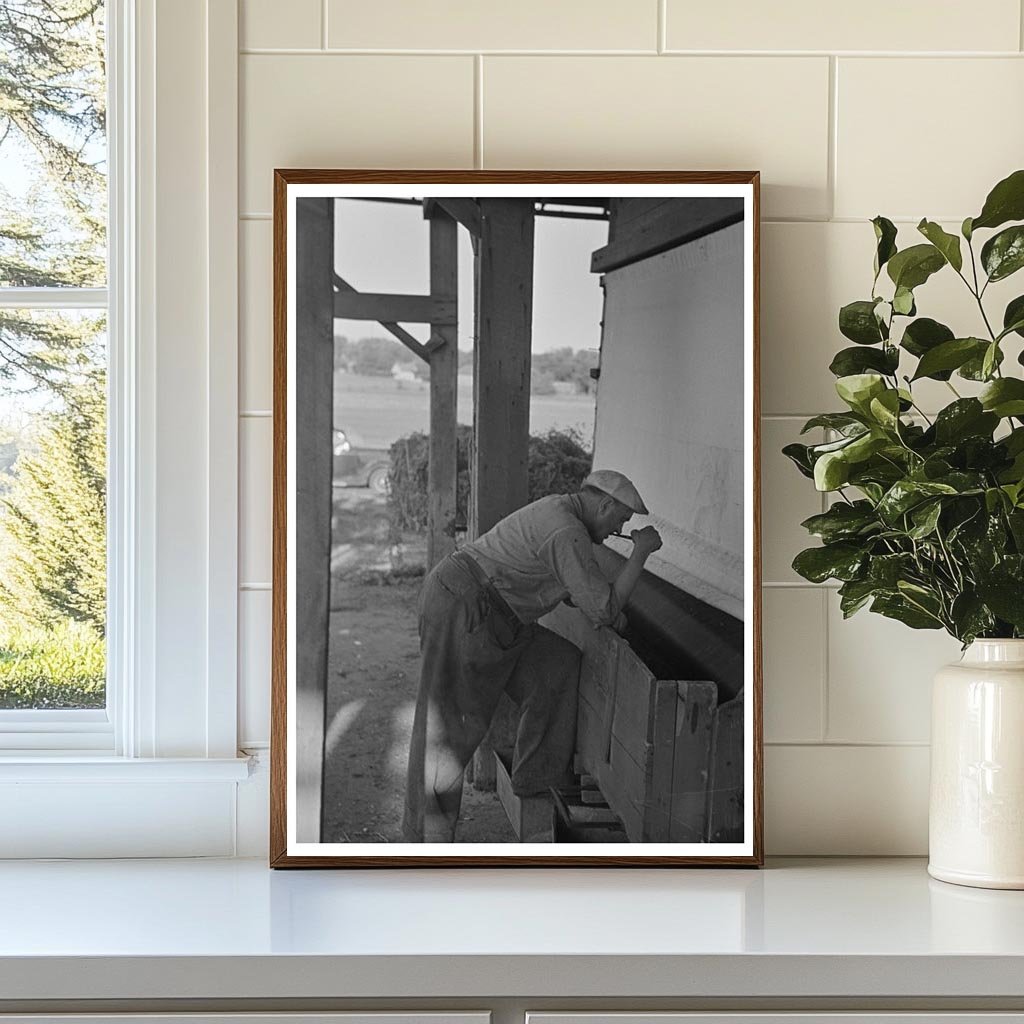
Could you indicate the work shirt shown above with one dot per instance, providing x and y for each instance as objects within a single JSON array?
[{"x": 541, "y": 555}]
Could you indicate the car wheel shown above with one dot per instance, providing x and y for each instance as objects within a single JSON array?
[{"x": 378, "y": 480}]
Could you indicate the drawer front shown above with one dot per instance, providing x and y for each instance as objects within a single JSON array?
[
  {"x": 790, "y": 1017},
  {"x": 360, "y": 1017}
]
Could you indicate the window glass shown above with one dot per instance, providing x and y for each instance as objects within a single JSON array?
[
  {"x": 53, "y": 152},
  {"x": 53, "y": 357}
]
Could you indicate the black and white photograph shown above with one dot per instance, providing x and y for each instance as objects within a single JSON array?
[{"x": 515, "y": 503}]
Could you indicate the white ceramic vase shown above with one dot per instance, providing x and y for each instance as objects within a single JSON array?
[{"x": 976, "y": 814}]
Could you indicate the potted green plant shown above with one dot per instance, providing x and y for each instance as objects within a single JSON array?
[{"x": 926, "y": 524}]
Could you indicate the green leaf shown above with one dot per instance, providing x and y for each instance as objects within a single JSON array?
[
  {"x": 1014, "y": 441},
  {"x": 849, "y": 361},
  {"x": 912, "y": 267},
  {"x": 799, "y": 455},
  {"x": 970, "y": 617},
  {"x": 817, "y": 450},
  {"x": 841, "y": 421},
  {"x": 925, "y": 518},
  {"x": 857, "y": 321},
  {"x": 887, "y": 570},
  {"x": 906, "y": 494},
  {"x": 990, "y": 361},
  {"x": 1015, "y": 492},
  {"x": 855, "y": 594},
  {"x": 966, "y": 417},
  {"x": 964, "y": 482},
  {"x": 885, "y": 409},
  {"x": 1006, "y": 599},
  {"x": 1004, "y": 397},
  {"x": 885, "y": 237},
  {"x": 858, "y": 389},
  {"x": 1015, "y": 519},
  {"x": 903, "y": 302},
  {"x": 878, "y": 471},
  {"x": 1013, "y": 317},
  {"x": 974, "y": 368},
  {"x": 841, "y": 561},
  {"x": 965, "y": 229},
  {"x": 831, "y": 471},
  {"x": 842, "y": 521},
  {"x": 994, "y": 499},
  {"x": 864, "y": 446},
  {"x": 947, "y": 244},
  {"x": 1003, "y": 254},
  {"x": 899, "y": 608},
  {"x": 923, "y": 335},
  {"x": 1005, "y": 202},
  {"x": 950, "y": 355}
]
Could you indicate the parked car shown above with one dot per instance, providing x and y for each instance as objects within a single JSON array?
[{"x": 359, "y": 466}]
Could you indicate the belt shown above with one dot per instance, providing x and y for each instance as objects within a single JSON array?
[{"x": 473, "y": 568}]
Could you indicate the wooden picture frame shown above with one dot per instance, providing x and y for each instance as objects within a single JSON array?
[{"x": 677, "y": 761}]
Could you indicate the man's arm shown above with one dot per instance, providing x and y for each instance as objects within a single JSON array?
[
  {"x": 645, "y": 543},
  {"x": 570, "y": 554}
]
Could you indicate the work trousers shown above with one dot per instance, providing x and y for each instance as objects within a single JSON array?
[{"x": 472, "y": 650}]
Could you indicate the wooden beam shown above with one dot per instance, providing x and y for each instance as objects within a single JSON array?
[
  {"x": 443, "y": 354},
  {"x": 407, "y": 340},
  {"x": 385, "y": 308},
  {"x": 465, "y": 211},
  {"x": 395, "y": 329},
  {"x": 314, "y": 409},
  {"x": 661, "y": 226},
  {"x": 501, "y": 409},
  {"x": 501, "y": 358}
]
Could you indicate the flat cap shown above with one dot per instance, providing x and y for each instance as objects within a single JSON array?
[{"x": 619, "y": 486}]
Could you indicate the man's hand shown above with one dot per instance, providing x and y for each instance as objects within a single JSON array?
[{"x": 645, "y": 541}]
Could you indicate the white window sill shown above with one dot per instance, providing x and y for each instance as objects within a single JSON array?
[{"x": 77, "y": 766}]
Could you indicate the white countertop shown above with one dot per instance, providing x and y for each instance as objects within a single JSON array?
[{"x": 235, "y": 929}]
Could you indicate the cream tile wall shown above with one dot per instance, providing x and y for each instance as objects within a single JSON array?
[{"x": 909, "y": 110}]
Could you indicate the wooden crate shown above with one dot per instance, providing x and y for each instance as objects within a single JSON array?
[{"x": 667, "y": 758}]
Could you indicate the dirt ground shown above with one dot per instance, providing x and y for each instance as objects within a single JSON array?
[{"x": 373, "y": 671}]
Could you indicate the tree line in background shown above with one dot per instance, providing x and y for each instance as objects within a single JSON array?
[
  {"x": 378, "y": 357},
  {"x": 52, "y": 365}
]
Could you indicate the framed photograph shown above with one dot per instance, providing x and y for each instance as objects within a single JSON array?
[{"x": 516, "y": 586}]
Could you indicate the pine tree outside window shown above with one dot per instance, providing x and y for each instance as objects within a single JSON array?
[{"x": 53, "y": 370}]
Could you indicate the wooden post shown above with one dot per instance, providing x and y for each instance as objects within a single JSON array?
[
  {"x": 444, "y": 369},
  {"x": 501, "y": 360},
  {"x": 501, "y": 407},
  {"x": 314, "y": 414}
]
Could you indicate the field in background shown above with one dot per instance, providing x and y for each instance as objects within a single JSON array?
[{"x": 375, "y": 411}]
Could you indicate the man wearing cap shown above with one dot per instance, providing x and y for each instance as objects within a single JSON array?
[{"x": 479, "y": 638}]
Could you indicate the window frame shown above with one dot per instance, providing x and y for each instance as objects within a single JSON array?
[
  {"x": 152, "y": 124},
  {"x": 92, "y": 730}
]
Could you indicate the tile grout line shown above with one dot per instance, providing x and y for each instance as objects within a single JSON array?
[
  {"x": 833, "y": 134},
  {"x": 1020, "y": 24},
  {"x": 851, "y": 744},
  {"x": 478, "y": 111},
  {"x": 768, "y": 55},
  {"x": 828, "y": 585},
  {"x": 662, "y": 41},
  {"x": 824, "y": 723},
  {"x": 323, "y": 24}
]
